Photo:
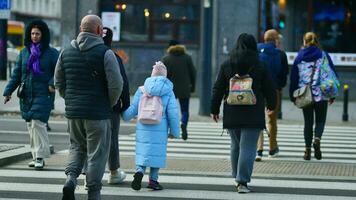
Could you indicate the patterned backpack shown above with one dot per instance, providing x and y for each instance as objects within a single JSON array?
[
  {"x": 150, "y": 108},
  {"x": 329, "y": 83},
  {"x": 240, "y": 91}
]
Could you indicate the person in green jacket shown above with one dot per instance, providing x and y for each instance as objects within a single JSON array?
[{"x": 35, "y": 69}]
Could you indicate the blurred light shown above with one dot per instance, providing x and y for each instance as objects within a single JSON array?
[
  {"x": 147, "y": 14},
  {"x": 282, "y": 4},
  {"x": 282, "y": 25},
  {"x": 117, "y": 6},
  {"x": 123, "y": 6},
  {"x": 167, "y": 15},
  {"x": 184, "y": 17},
  {"x": 145, "y": 10},
  {"x": 348, "y": 14}
]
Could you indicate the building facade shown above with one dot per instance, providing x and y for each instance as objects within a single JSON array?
[
  {"x": 146, "y": 26},
  {"x": 48, "y": 10}
]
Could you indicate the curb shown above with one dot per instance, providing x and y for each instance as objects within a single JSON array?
[{"x": 19, "y": 154}]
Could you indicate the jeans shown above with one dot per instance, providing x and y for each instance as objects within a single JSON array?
[
  {"x": 184, "y": 109},
  {"x": 153, "y": 172},
  {"x": 243, "y": 152},
  {"x": 320, "y": 109}
]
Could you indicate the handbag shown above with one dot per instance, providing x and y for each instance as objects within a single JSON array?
[
  {"x": 304, "y": 96},
  {"x": 21, "y": 90}
]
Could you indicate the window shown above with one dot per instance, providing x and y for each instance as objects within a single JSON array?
[
  {"x": 335, "y": 24},
  {"x": 157, "y": 20}
]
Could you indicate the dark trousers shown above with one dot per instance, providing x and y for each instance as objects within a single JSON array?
[
  {"x": 184, "y": 109},
  {"x": 320, "y": 110},
  {"x": 114, "y": 156}
]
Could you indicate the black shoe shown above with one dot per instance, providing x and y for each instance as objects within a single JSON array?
[
  {"x": 48, "y": 128},
  {"x": 154, "y": 185},
  {"x": 68, "y": 189},
  {"x": 317, "y": 151},
  {"x": 136, "y": 183},
  {"x": 307, "y": 154},
  {"x": 184, "y": 131},
  {"x": 273, "y": 153}
]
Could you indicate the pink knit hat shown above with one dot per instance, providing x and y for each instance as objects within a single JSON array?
[{"x": 159, "y": 69}]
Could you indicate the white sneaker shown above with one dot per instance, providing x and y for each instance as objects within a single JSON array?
[
  {"x": 85, "y": 183},
  {"x": 241, "y": 188},
  {"x": 39, "y": 163},
  {"x": 31, "y": 164},
  {"x": 119, "y": 177}
]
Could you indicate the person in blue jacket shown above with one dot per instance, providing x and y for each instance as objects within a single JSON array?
[
  {"x": 309, "y": 58},
  {"x": 35, "y": 67},
  {"x": 151, "y": 139}
]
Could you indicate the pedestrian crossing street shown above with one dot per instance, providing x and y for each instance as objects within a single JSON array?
[{"x": 205, "y": 142}]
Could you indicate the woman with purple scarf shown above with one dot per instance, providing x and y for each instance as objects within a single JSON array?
[{"x": 35, "y": 68}]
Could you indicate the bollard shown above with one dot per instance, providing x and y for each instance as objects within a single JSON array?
[{"x": 345, "y": 115}]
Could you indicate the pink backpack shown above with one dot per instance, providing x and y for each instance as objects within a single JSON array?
[{"x": 150, "y": 109}]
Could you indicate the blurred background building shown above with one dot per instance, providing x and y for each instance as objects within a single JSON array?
[
  {"x": 208, "y": 28},
  {"x": 23, "y": 11}
]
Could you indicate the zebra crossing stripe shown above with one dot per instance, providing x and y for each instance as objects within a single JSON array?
[{"x": 205, "y": 182}]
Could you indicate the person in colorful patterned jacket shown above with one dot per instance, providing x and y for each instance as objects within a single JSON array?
[{"x": 309, "y": 58}]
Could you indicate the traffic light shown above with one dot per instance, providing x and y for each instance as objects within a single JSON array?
[{"x": 282, "y": 21}]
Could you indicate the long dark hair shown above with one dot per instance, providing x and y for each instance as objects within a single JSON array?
[
  {"x": 44, "y": 30},
  {"x": 244, "y": 55}
]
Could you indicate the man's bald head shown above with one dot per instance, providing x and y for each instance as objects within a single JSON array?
[{"x": 91, "y": 24}]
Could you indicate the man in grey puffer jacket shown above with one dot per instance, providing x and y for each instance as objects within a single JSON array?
[{"x": 87, "y": 76}]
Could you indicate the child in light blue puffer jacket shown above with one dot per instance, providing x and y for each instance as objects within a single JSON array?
[{"x": 151, "y": 139}]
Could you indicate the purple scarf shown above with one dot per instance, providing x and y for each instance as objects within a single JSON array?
[{"x": 33, "y": 63}]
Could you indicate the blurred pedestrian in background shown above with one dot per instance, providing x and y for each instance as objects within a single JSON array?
[
  {"x": 244, "y": 122},
  {"x": 276, "y": 62},
  {"x": 34, "y": 70},
  {"x": 88, "y": 78},
  {"x": 306, "y": 71},
  {"x": 182, "y": 73},
  {"x": 151, "y": 139}
]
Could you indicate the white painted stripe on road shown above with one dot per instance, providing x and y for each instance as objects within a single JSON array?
[
  {"x": 208, "y": 125},
  {"x": 201, "y": 180},
  {"x": 167, "y": 193}
]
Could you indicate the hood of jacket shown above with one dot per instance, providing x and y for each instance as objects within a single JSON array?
[
  {"x": 86, "y": 41},
  {"x": 245, "y": 60},
  {"x": 176, "y": 50},
  {"x": 309, "y": 54},
  {"x": 267, "y": 48},
  {"x": 158, "y": 85}
]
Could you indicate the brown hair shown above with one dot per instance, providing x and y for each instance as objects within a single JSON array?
[{"x": 311, "y": 39}]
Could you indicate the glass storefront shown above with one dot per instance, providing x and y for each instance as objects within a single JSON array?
[
  {"x": 157, "y": 21},
  {"x": 335, "y": 23}
]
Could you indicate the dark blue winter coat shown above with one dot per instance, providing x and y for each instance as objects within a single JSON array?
[
  {"x": 38, "y": 101},
  {"x": 276, "y": 62}
]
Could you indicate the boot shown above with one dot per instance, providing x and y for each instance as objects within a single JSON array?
[
  {"x": 317, "y": 152},
  {"x": 307, "y": 154},
  {"x": 184, "y": 131}
]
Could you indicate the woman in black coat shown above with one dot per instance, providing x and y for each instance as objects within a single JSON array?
[{"x": 244, "y": 122}]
